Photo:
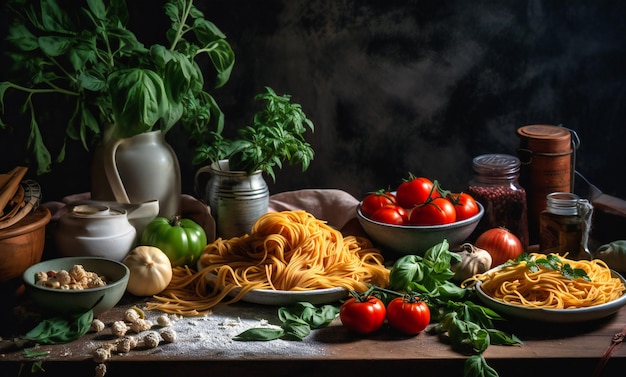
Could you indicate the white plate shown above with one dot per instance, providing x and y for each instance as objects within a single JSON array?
[
  {"x": 554, "y": 315},
  {"x": 285, "y": 298}
]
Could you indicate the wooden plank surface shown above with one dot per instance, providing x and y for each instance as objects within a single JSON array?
[{"x": 205, "y": 344}]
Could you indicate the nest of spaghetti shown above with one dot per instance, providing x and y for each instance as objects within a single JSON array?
[
  {"x": 284, "y": 251},
  {"x": 531, "y": 283}
]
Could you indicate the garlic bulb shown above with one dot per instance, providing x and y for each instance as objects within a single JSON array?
[{"x": 474, "y": 261}]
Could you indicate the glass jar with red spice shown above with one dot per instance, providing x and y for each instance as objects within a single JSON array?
[{"x": 495, "y": 185}]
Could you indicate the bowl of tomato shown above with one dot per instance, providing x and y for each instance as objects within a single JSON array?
[
  {"x": 416, "y": 239},
  {"x": 418, "y": 216}
]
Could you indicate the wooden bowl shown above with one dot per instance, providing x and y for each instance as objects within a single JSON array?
[{"x": 21, "y": 244}]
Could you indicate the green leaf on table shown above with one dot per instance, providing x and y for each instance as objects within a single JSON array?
[
  {"x": 261, "y": 333},
  {"x": 297, "y": 321},
  {"x": 309, "y": 314},
  {"x": 296, "y": 329},
  {"x": 59, "y": 330}
]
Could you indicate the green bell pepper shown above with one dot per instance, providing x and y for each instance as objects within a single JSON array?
[{"x": 182, "y": 240}]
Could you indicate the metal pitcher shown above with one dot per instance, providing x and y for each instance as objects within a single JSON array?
[{"x": 237, "y": 199}]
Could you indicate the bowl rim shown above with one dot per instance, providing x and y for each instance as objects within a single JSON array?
[
  {"x": 35, "y": 220},
  {"x": 26, "y": 276},
  {"x": 456, "y": 224}
]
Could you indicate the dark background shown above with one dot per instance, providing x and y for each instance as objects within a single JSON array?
[{"x": 402, "y": 86}]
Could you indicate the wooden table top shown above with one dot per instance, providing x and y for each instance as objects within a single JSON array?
[{"x": 205, "y": 347}]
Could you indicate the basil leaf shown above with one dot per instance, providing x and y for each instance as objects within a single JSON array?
[
  {"x": 54, "y": 18},
  {"x": 450, "y": 291},
  {"x": 501, "y": 338},
  {"x": 297, "y": 322},
  {"x": 177, "y": 79},
  {"x": 307, "y": 312},
  {"x": 58, "y": 330},
  {"x": 138, "y": 100},
  {"x": 54, "y": 45},
  {"x": 296, "y": 329},
  {"x": 260, "y": 333},
  {"x": 21, "y": 37},
  {"x": 479, "y": 338},
  {"x": 91, "y": 82},
  {"x": 206, "y": 31},
  {"x": 476, "y": 366},
  {"x": 223, "y": 59},
  {"x": 97, "y": 9},
  {"x": 34, "y": 352},
  {"x": 405, "y": 270}
]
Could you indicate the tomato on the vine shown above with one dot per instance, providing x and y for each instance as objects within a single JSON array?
[
  {"x": 363, "y": 315},
  {"x": 375, "y": 201},
  {"x": 464, "y": 204},
  {"x": 408, "y": 314},
  {"x": 437, "y": 211},
  {"x": 391, "y": 214},
  {"x": 415, "y": 191}
]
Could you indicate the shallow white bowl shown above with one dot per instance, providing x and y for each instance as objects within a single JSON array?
[
  {"x": 414, "y": 239},
  {"x": 553, "y": 315}
]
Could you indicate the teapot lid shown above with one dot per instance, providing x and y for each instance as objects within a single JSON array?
[{"x": 94, "y": 210}]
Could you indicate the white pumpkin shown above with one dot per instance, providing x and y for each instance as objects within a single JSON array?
[{"x": 150, "y": 271}]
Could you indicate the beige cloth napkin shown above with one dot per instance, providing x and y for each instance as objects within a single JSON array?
[{"x": 337, "y": 207}]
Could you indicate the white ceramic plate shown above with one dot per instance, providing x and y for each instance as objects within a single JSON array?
[
  {"x": 284, "y": 298},
  {"x": 553, "y": 315}
]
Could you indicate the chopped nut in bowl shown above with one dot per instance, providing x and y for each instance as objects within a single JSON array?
[{"x": 72, "y": 285}]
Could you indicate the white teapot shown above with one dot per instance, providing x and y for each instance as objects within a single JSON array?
[{"x": 95, "y": 230}]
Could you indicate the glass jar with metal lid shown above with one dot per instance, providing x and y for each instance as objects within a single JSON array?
[
  {"x": 495, "y": 185},
  {"x": 564, "y": 225}
]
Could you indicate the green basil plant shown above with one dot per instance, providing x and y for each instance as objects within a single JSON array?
[{"x": 113, "y": 84}]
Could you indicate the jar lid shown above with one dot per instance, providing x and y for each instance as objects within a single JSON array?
[
  {"x": 546, "y": 138},
  {"x": 496, "y": 165},
  {"x": 562, "y": 203}
]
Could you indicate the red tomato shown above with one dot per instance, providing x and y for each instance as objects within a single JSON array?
[
  {"x": 434, "y": 212},
  {"x": 408, "y": 314},
  {"x": 415, "y": 191},
  {"x": 375, "y": 201},
  {"x": 464, "y": 204},
  {"x": 391, "y": 214},
  {"x": 363, "y": 315},
  {"x": 501, "y": 244}
]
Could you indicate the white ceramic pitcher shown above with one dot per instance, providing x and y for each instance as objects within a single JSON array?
[{"x": 136, "y": 170}]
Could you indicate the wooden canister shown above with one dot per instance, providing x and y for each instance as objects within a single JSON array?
[{"x": 547, "y": 156}]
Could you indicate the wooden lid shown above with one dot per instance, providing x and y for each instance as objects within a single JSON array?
[{"x": 545, "y": 138}]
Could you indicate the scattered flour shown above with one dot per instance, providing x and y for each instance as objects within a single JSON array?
[{"x": 213, "y": 334}]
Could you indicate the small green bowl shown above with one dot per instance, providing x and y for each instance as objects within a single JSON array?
[{"x": 65, "y": 302}]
